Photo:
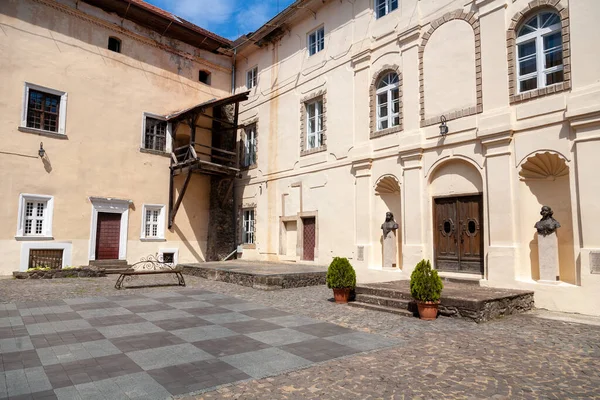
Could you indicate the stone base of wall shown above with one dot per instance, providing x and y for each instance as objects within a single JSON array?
[
  {"x": 258, "y": 281},
  {"x": 60, "y": 273}
]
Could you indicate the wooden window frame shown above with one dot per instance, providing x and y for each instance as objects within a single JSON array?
[
  {"x": 168, "y": 135},
  {"x": 61, "y": 112}
]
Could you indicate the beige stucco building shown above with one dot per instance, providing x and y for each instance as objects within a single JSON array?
[
  {"x": 94, "y": 81},
  {"x": 343, "y": 124},
  {"x": 460, "y": 117}
]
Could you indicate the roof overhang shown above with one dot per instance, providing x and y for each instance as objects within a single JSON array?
[
  {"x": 164, "y": 23},
  {"x": 194, "y": 110}
]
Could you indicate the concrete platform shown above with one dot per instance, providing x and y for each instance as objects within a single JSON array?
[
  {"x": 259, "y": 275},
  {"x": 458, "y": 300}
]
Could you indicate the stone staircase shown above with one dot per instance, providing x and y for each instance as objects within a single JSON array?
[
  {"x": 110, "y": 266},
  {"x": 463, "y": 299}
]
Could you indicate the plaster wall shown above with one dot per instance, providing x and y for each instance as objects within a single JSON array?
[{"x": 100, "y": 153}]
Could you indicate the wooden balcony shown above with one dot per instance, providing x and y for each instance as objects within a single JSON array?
[{"x": 203, "y": 159}]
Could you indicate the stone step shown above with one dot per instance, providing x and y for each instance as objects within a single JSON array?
[
  {"x": 387, "y": 302},
  {"x": 108, "y": 263},
  {"x": 383, "y": 292},
  {"x": 392, "y": 310},
  {"x": 464, "y": 281}
]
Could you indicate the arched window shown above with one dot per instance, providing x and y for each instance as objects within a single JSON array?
[
  {"x": 539, "y": 52},
  {"x": 388, "y": 101}
]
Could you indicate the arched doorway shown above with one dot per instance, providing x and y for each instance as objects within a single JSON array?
[{"x": 457, "y": 195}]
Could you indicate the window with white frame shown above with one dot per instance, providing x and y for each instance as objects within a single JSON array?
[
  {"x": 35, "y": 215},
  {"x": 44, "y": 109},
  {"x": 314, "y": 124},
  {"x": 540, "y": 52},
  {"x": 388, "y": 101},
  {"x": 251, "y": 77},
  {"x": 156, "y": 134},
  {"x": 384, "y": 7},
  {"x": 316, "y": 41},
  {"x": 249, "y": 145},
  {"x": 248, "y": 226},
  {"x": 153, "y": 221}
]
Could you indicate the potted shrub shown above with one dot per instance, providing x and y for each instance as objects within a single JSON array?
[
  {"x": 341, "y": 278},
  {"x": 426, "y": 288}
]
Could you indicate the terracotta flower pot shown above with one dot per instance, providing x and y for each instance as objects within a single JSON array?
[
  {"x": 341, "y": 295},
  {"x": 428, "y": 310}
]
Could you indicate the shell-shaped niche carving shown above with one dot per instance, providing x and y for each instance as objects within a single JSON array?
[
  {"x": 544, "y": 166},
  {"x": 387, "y": 184}
]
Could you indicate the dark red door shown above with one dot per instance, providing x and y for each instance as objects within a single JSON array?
[
  {"x": 308, "y": 239},
  {"x": 107, "y": 236},
  {"x": 458, "y": 234}
]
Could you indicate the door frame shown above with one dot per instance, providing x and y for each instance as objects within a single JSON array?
[
  {"x": 483, "y": 231},
  {"x": 109, "y": 205}
]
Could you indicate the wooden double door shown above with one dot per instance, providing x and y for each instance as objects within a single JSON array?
[
  {"x": 108, "y": 234},
  {"x": 458, "y": 234}
]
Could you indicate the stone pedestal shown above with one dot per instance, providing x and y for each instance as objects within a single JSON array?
[
  {"x": 390, "y": 245},
  {"x": 548, "y": 257}
]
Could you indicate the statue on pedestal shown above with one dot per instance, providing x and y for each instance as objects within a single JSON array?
[
  {"x": 389, "y": 228},
  {"x": 548, "y": 245},
  {"x": 547, "y": 224}
]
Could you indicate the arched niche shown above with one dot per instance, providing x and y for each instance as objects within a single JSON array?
[
  {"x": 450, "y": 68},
  {"x": 544, "y": 181},
  {"x": 387, "y": 198},
  {"x": 387, "y": 184},
  {"x": 455, "y": 177}
]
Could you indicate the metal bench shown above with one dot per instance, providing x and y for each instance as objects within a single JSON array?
[{"x": 150, "y": 265}]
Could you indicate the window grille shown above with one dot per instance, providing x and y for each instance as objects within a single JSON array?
[
  {"x": 248, "y": 223},
  {"x": 155, "y": 137},
  {"x": 45, "y": 258}
]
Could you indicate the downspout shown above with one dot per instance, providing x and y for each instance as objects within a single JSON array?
[{"x": 235, "y": 231}]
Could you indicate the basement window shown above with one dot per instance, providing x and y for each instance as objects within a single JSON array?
[
  {"x": 204, "y": 77},
  {"x": 114, "y": 44}
]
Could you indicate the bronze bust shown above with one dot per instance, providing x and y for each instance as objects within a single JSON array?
[
  {"x": 547, "y": 225},
  {"x": 389, "y": 224}
]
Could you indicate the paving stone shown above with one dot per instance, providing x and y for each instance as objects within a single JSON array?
[
  {"x": 10, "y": 321},
  {"x": 134, "y": 386},
  {"x": 104, "y": 312},
  {"x": 230, "y": 345},
  {"x": 317, "y": 350},
  {"x": 26, "y": 312},
  {"x": 206, "y": 311},
  {"x": 167, "y": 356},
  {"x": 266, "y": 362},
  {"x": 59, "y": 326},
  {"x": 148, "y": 341},
  {"x": 322, "y": 329},
  {"x": 243, "y": 306},
  {"x": 69, "y": 337},
  {"x": 208, "y": 332},
  {"x": 364, "y": 341},
  {"x": 225, "y": 301},
  {"x": 251, "y": 326},
  {"x": 10, "y": 345},
  {"x": 292, "y": 321},
  {"x": 115, "y": 320},
  {"x": 141, "y": 328},
  {"x": 19, "y": 360},
  {"x": 77, "y": 351},
  {"x": 181, "y": 323},
  {"x": 166, "y": 314},
  {"x": 85, "y": 300},
  {"x": 280, "y": 337},
  {"x": 24, "y": 382},
  {"x": 148, "y": 307},
  {"x": 182, "y": 305},
  {"x": 266, "y": 313},
  {"x": 13, "y": 331},
  {"x": 39, "y": 319},
  {"x": 226, "y": 318}
]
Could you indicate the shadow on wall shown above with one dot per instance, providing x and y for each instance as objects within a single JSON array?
[
  {"x": 191, "y": 221},
  {"x": 557, "y": 195}
]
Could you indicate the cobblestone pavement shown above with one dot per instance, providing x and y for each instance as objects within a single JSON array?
[{"x": 521, "y": 356}]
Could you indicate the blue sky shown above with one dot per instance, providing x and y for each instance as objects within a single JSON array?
[{"x": 228, "y": 18}]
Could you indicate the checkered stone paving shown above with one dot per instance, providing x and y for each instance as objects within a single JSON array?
[{"x": 158, "y": 345}]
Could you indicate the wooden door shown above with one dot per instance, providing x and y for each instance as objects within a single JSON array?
[
  {"x": 108, "y": 233},
  {"x": 308, "y": 239},
  {"x": 458, "y": 234}
]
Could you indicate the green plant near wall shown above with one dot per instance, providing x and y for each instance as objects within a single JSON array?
[
  {"x": 340, "y": 274},
  {"x": 425, "y": 283}
]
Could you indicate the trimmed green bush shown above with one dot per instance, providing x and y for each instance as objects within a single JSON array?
[
  {"x": 425, "y": 283},
  {"x": 340, "y": 274}
]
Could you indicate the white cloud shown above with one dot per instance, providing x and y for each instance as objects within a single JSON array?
[
  {"x": 253, "y": 16},
  {"x": 205, "y": 13}
]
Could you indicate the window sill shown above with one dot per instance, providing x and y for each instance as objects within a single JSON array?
[
  {"x": 541, "y": 92},
  {"x": 33, "y": 238},
  {"x": 250, "y": 246},
  {"x": 155, "y": 152},
  {"x": 153, "y": 240},
  {"x": 248, "y": 167},
  {"x": 387, "y": 131},
  {"x": 313, "y": 151},
  {"x": 42, "y": 132}
]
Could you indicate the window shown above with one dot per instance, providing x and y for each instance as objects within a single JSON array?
[
  {"x": 539, "y": 52},
  {"x": 388, "y": 101},
  {"x": 153, "y": 221},
  {"x": 114, "y": 44},
  {"x": 249, "y": 146},
  {"x": 44, "y": 109},
  {"x": 156, "y": 134},
  {"x": 316, "y": 41},
  {"x": 252, "y": 77},
  {"x": 169, "y": 256},
  {"x": 384, "y": 7},
  {"x": 248, "y": 221},
  {"x": 314, "y": 124},
  {"x": 35, "y": 216},
  {"x": 204, "y": 77}
]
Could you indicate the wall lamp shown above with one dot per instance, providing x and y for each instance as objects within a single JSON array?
[
  {"x": 443, "y": 126},
  {"x": 41, "y": 151}
]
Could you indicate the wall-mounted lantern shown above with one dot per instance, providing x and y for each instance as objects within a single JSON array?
[
  {"x": 443, "y": 126},
  {"x": 41, "y": 151}
]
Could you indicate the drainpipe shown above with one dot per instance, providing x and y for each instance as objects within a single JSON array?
[
  {"x": 233, "y": 71},
  {"x": 235, "y": 222}
]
